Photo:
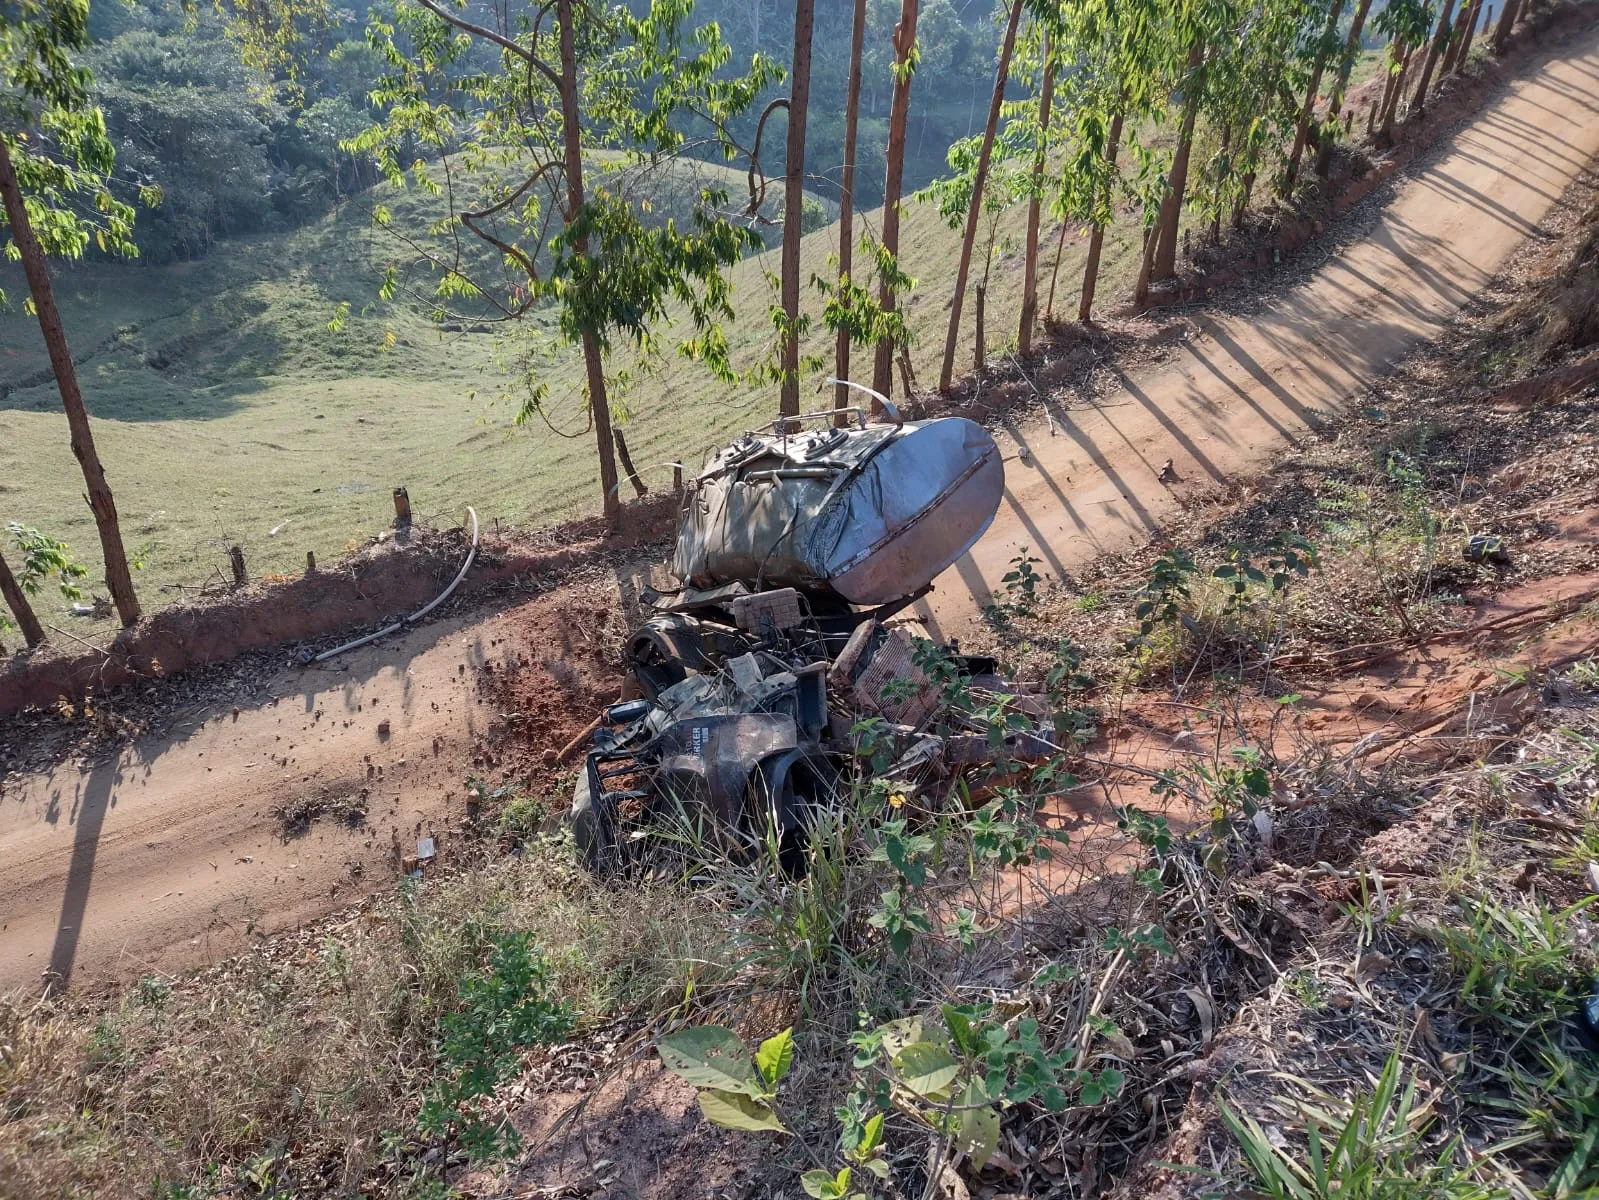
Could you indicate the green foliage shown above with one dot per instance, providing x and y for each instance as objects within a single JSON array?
[
  {"x": 56, "y": 134},
  {"x": 735, "y": 1091},
  {"x": 1514, "y": 962},
  {"x": 953, "y": 1080},
  {"x": 1370, "y": 1147},
  {"x": 852, "y": 307},
  {"x": 1246, "y": 576},
  {"x": 44, "y": 557},
  {"x": 1168, "y": 591},
  {"x": 501, "y": 1012},
  {"x": 1287, "y": 555},
  {"x": 1020, "y": 586}
]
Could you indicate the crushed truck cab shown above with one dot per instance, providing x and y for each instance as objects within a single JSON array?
[{"x": 797, "y": 550}]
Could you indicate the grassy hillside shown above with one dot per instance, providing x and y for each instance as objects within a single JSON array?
[{"x": 228, "y": 412}]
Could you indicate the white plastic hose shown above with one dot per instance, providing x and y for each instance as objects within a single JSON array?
[{"x": 419, "y": 613}]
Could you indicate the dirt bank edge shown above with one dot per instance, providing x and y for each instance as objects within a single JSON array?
[{"x": 379, "y": 583}]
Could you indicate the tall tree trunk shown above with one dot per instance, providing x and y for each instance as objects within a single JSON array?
[
  {"x": 946, "y": 375},
  {"x": 593, "y": 359},
  {"x": 1241, "y": 205},
  {"x": 799, "y": 102},
  {"x": 846, "y": 202},
  {"x": 1418, "y": 105},
  {"x": 1457, "y": 39},
  {"x": 17, "y": 601},
  {"x": 1472, "y": 25},
  {"x": 1391, "y": 66},
  {"x": 1507, "y": 22},
  {"x": 1346, "y": 64},
  {"x": 1146, "y": 265},
  {"x": 1215, "y": 217},
  {"x": 1024, "y": 331},
  {"x": 118, "y": 580},
  {"x": 898, "y": 111},
  {"x": 1391, "y": 113},
  {"x": 1096, "y": 239},
  {"x": 1164, "y": 265},
  {"x": 1307, "y": 111}
]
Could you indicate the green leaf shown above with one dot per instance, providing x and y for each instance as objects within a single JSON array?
[
  {"x": 818, "y": 1184},
  {"x": 926, "y": 1068},
  {"x": 775, "y": 1056},
  {"x": 871, "y": 1135},
  {"x": 977, "y": 1134},
  {"x": 710, "y": 1056},
  {"x": 736, "y": 1110}
]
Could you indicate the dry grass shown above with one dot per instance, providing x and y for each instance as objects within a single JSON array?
[{"x": 302, "y": 1059}]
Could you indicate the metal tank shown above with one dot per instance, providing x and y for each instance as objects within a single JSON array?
[{"x": 871, "y": 514}]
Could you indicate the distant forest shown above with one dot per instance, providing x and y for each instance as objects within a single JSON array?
[{"x": 234, "y": 152}]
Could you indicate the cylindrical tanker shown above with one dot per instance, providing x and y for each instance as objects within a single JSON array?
[{"x": 871, "y": 514}]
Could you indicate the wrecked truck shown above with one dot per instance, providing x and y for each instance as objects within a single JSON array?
[{"x": 797, "y": 548}]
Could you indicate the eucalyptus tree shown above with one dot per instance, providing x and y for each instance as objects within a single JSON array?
[
  {"x": 904, "y": 69},
  {"x": 1406, "y": 22},
  {"x": 1253, "y": 79},
  {"x": 985, "y": 152},
  {"x": 1038, "y": 129},
  {"x": 1435, "y": 51},
  {"x": 1324, "y": 46},
  {"x": 55, "y": 184},
  {"x": 846, "y": 202},
  {"x": 1197, "y": 28},
  {"x": 1328, "y": 137},
  {"x": 1113, "y": 49},
  {"x": 799, "y": 103},
  {"x": 498, "y": 118}
]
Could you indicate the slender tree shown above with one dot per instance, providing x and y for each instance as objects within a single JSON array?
[
  {"x": 1434, "y": 53},
  {"x": 1507, "y": 25},
  {"x": 1346, "y": 65},
  {"x": 1163, "y": 259},
  {"x": 17, "y": 601},
  {"x": 1457, "y": 39},
  {"x": 1035, "y": 198},
  {"x": 799, "y": 102},
  {"x": 55, "y": 163},
  {"x": 1096, "y": 234},
  {"x": 1407, "y": 23},
  {"x": 898, "y": 114},
  {"x": 946, "y": 373},
  {"x": 599, "y": 404},
  {"x": 846, "y": 202},
  {"x": 1473, "y": 23},
  {"x": 1307, "y": 113}
]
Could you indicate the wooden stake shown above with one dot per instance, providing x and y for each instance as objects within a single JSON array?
[{"x": 627, "y": 465}]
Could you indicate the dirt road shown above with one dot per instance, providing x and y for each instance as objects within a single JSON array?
[
  {"x": 173, "y": 852},
  {"x": 1251, "y": 384}
]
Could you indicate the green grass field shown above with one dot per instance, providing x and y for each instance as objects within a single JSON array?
[{"x": 227, "y": 412}]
